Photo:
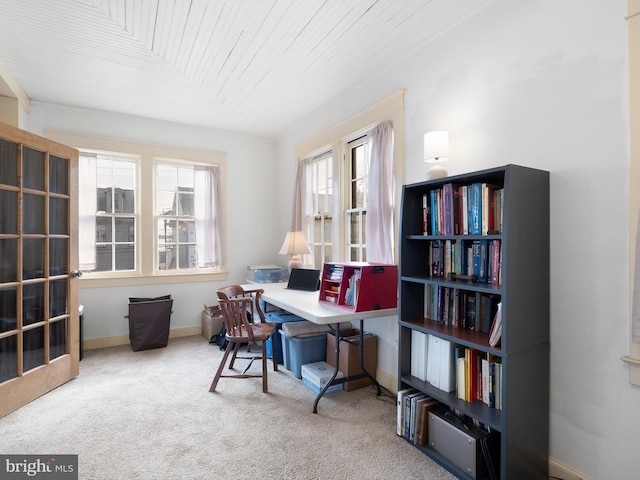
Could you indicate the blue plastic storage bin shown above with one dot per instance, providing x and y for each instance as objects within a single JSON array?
[
  {"x": 279, "y": 318},
  {"x": 298, "y": 351}
]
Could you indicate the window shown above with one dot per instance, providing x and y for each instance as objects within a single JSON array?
[
  {"x": 182, "y": 222},
  {"x": 149, "y": 214},
  {"x": 355, "y": 186},
  {"x": 116, "y": 213},
  {"x": 356, "y": 208},
  {"x": 322, "y": 193},
  {"x": 175, "y": 221},
  {"x": 339, "y": 166}
]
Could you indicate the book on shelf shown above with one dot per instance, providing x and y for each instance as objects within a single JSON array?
[
  {"x": 476, "y": 257},
  {"x": 495, "y": 333},
  {"x": 484, "y": 256},
  {"x": 497, "y": 208},
  {"x": 440, "y": 364},
  {"x": 437, "y": 258},
  {"x": 492, "y": 384},
  {"x": 496, "y": 262},
  {"x": 475, "y": 209},
  {"x": 433, "y": 202},
  {"x": 486, "y": 311},
  {"x": 470, "y": 305},
  {"x": 426, "y": 217},
  {"x": 351, "y": 294},
  {"x": 422, "y": 422},
  {"x": 410, "y": 400},
  {"x": 473, "y": 358},
  {"x": 468, "y": 374},
  {"x": 413, "y": 415},
  {"x": 464, "y": 218},
  {"x": 450, "y": 209},
  {"x": 419, "y": 345},
  {"x": 491, "y": 381},
  {"x": 488, "y": 211},
  {"x": 461, "y": 377},
  {"x": 448, "y": 258},
  {"x": 402, "y": 394}
]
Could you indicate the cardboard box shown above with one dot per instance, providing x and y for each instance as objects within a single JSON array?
[
  {"x": 350, "y": 356},
  {"x": 316, "y": 375},
  {"x": 212, "y": 321}
]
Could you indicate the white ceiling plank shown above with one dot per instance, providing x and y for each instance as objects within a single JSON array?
[{"x": 249, "y": 65}]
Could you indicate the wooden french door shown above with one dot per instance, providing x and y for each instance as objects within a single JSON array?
[{"x": 39, "y": 329}]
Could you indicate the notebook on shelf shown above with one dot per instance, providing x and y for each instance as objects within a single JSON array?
[{"x": 304, "y": 279}]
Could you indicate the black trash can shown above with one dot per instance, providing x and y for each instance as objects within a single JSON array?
[{"x": 149, "y": 320}]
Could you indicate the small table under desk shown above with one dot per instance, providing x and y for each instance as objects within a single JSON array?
[{"x": 307, "y": 306}]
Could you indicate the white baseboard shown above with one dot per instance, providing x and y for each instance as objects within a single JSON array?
[
  {"x": 93, "y": 343},
  {"x": 388, "y": 381},
  {"x": 557, "y": 469}
]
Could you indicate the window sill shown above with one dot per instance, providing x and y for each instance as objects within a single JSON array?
[{"x": 88, "y": 282}]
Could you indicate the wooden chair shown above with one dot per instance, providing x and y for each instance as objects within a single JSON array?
[{"x": 236, "y": 303}]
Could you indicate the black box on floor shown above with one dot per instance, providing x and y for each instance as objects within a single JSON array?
[{"x": 460, "y": 442}]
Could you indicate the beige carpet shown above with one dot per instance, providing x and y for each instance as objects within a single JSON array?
[{"x": 149, "y": 415}]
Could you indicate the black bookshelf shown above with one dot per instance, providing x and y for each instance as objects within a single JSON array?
[{"x": 522, "y": 423}]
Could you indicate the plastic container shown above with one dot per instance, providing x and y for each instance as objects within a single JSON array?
[
  {"x": 300, "y": 350},
  {"x": 266, "y": 274},
  {"x": 279, "y": 318}
]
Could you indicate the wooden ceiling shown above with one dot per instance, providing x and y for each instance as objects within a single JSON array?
[{"x": 251, "y": 66}]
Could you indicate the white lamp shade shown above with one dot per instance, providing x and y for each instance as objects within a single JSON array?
[
  {"x": 436, "y": 146},
  {"x": 295, "y": 243}
]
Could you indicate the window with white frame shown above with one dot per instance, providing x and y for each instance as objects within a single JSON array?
[
  {"x": 346, "y": 161},
  {"x": 322, "y": 193},
  {"x": 354, "y": 184},
  {"x": 116, "y": 213},
  {"x": 175, "y": 220},
  {"x": 357, "y": 166},
  {"x": 143, "y": 214}
]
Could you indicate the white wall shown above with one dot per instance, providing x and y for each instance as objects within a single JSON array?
[
  {"x": 250, "y": 214},
  {"x": 541, "y": 84}
]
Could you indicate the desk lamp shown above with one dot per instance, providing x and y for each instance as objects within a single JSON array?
[{"x": 294, "y": 245}]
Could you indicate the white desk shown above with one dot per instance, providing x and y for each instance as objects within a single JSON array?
[{"x": 307, "y": 306}]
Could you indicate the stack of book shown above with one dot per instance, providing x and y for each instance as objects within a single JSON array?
[
  {"x": 478, "y": 377},
  {"x": 413, "y": 409},
  {"x": 474, "y": 209}
]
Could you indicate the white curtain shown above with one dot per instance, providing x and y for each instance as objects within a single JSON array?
[
  {"x": 302, "y": 210},
  {"x": 379, "y": 227},
  {"x": 208, "y": 215},
  {"x": 87, "y": 204}
]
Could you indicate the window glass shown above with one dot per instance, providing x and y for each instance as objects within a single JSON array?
[
  {"x": 322, "y": 181},
  {"x": 116, "y": 214},
  {"x": 358, "y": 181},
  {"x": 176, "y": 226}
]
